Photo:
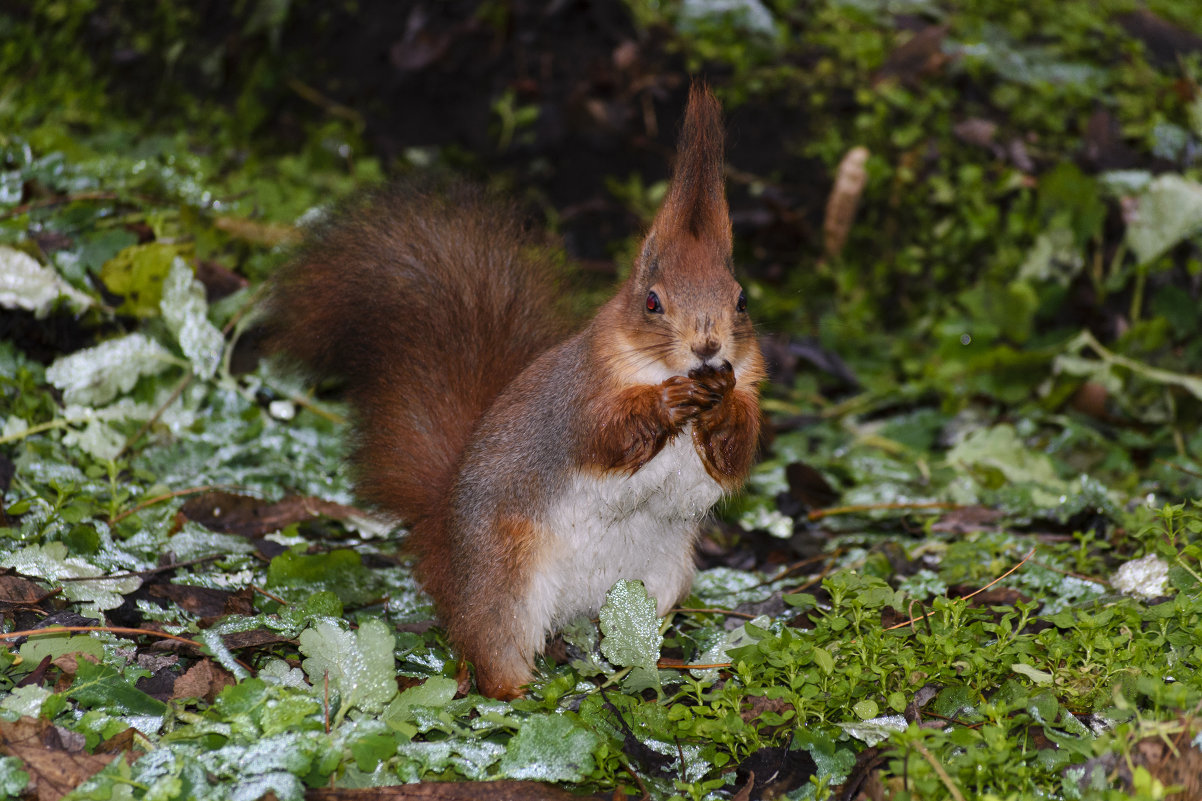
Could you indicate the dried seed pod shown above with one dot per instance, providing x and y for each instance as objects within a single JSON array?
[{"x": 850, "y": 180}]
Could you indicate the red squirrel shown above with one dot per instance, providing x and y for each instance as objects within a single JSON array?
[{"x": 535, "y": 467}]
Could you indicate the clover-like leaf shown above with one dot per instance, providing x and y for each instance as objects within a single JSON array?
[
  {"x": 630, "y": 629},
  {"x": 550, "y": 748},
  {"x": 359, "y": 664}
]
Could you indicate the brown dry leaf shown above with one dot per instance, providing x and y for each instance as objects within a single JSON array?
[
  {"x": 248, "y": 516},
  {"x": 205, "y": 602},
  {"x": 203, "y": 680},
  {"x": 54, "y": 768},
  {"x": 253, "y": 639},
  {"x": 758, "y": 704},
  {"x": 17, "y": 591},
  {"x": 258, "y": 233},
  {"x": 447, "y": 791},
  {"x": 850, "y": 180}
]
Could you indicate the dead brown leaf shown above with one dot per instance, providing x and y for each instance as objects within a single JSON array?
[
  {"x": 205, "y": 602},
  {"x": 17, "y": 591},
  {"x": 54, "y": 767},
  {"x": 203, "y": 680},
  {"x": 248, "y": 516}
]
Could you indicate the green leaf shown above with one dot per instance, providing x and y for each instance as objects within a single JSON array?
[
  {"x": 359, "y": 664},
  {"x": 436, "y": 691},
  {"x": 824, "y": 660},
  {"x": 184, "y": 311},
  {"x": 630, "y": 630},
  {"x": 36, "y": 649},
  {"x": 98, "y": 374},
  {"x": 102, "y": 687},
  {"x": 1035, "y": 675},
  {"x": 51, "y": 562},
  {"x": 339, "y": 571},
  {"x": 25, "y": 284},
  {"x": 12, "y": 778},
  {"x": 1000, "y": 448},
  {"x": 1170, "y": 210},
  {"x": 137, "y": 274},
  {"x": 550, "y": 748}
]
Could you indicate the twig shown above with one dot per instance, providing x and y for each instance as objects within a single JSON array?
[
  {"x": 154, "y": 418},
  {"x": 637, "y": 780},
  {"x": 818, "y": 514},
  {"x": 794, "y": 567},
  {"x": 914, "y": 620},
  {"x": 264, "y": 592},
  {"x": 940, "y": 771}
]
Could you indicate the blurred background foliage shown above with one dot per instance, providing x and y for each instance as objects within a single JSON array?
[{"x": 1020, "y": 231}]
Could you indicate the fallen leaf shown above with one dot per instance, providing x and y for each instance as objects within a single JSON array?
[
  {"x": 54, "y": 768},
  {"x": 248, "y": 516},
  {"x": 203, "y": 680}
]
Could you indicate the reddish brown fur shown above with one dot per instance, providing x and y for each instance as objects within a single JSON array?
[
  {"x": 470, "y": 422},
  {"x": 413, "y": 297}
]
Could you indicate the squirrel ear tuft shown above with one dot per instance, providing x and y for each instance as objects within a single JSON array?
[{"x": 696, "y": 200}]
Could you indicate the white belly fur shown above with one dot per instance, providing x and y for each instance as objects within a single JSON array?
[{"x": 606, "y": 528}]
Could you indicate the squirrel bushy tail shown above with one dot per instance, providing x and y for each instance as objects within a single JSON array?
[{"x": 426, "y": 303}]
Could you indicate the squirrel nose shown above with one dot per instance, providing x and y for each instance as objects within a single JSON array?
[{"x": 707, "y": 349}]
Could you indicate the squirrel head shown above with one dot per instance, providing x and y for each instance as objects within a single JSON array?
[{"x": 682, "y": 308}]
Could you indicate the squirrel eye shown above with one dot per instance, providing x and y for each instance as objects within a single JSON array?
[
  {"x": 653, "y": 304},
  {"x": 741, "y": 304}
]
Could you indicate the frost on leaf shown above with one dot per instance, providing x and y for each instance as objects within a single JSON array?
[
  {"x": 630, "y": 629},
  {"x": 360, "y": 664},
  {"x": 1145, "y": 577},
  {"x": 50, "y": 562},
  {"x": 97, "y": 375},
  {"x": 25, "y": 284},
  {"x": 1169, "y": 212},
  {"x": 551, "y": 748},
  {"x": 184, "y": 310}
]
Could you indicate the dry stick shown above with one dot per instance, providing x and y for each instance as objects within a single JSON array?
[
  {"x": 12, "y": 635},
  {"x": 139, "y": 573},
  {"x": 264, "y": 592},
  {"x": 154, "y": 418},
  {"x": 914, "y": 620},
  {"x": 794, "y": 567},
  {"x": 943, "y": 777},
  {"x": 818, "y": 514},
  {"x": 637, "y": 780}
]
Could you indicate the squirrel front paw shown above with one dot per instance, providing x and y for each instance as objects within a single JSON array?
[
  {"x": 685, "y": 397},
  {"x": 715, "y": 382}
]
